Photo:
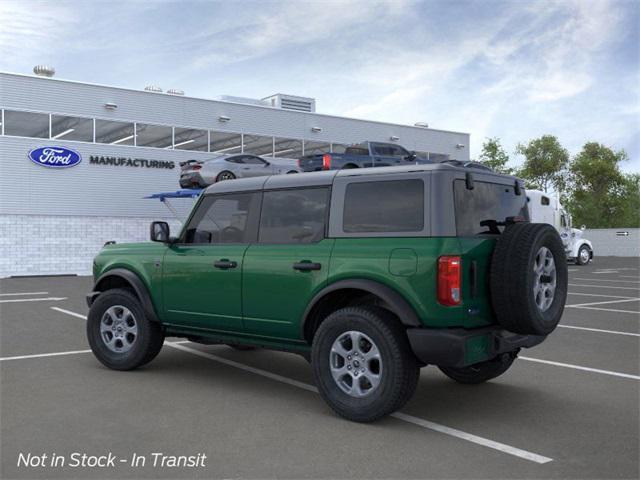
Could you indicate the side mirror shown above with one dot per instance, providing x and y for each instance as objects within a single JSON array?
[
  {"x": 583, "y": 228},
  {"x": 266, "y": 164},
  {"x": 159, "y": 232}
]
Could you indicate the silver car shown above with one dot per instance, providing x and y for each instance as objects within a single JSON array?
[{"x": 201, "y": 173}]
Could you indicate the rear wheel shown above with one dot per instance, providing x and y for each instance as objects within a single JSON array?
[
  {"x": 225, "y": 175},
  {"x": 363, "y": 364},
  {"x": 481, "y": 372},
  {"x": 119, "y": 333},
  {"x": 584, "y": 255}
]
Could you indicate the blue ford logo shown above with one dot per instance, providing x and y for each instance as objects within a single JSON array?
[{"x": 55, "y": 157}]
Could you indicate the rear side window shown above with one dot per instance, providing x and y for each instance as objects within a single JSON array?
[
  {"x": 385, "y": 206},
  {"x": 293, "y": 216},
  {"x": 487, "y": 201},
  {"x": 224, "y": 219}
]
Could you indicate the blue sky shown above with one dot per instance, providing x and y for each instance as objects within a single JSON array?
[{"x": 514, "y": 70}]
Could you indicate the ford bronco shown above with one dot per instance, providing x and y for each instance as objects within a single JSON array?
[{"x": 370, "y": 274}]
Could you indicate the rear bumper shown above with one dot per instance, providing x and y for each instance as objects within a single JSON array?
[
  {"x": 458, "y": 347},
  {"x": 190, "y": 180}
]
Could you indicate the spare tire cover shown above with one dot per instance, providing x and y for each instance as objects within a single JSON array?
[{"x": 528, "y": 278}]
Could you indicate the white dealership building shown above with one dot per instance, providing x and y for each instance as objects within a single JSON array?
[{"x": 127, "y": 144}]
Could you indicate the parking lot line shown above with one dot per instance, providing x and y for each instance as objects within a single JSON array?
[
  {"x": 579, "y": 367},
  {"x": 23, "y": 293},
  {"x": 631, "y": 299},
  {"x": 47, "y": 299},
  {"x": 73, "y": 314},
  {"x": 597, "y": 295},
  {"x": 517, "y": 452},
  {"x": 605, "y": 286},
  {"x": 600, "y": 330},
  {"x": 606, "y": 280},
  {"x": 40, "y": 355},
  {"x": 633, "y": 312},
  {"x": 628, "y": 276}
]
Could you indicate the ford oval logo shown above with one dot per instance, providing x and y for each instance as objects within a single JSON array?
[{"x": 55, "y": 157}]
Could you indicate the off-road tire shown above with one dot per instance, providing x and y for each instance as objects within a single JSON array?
[
  {"x": 480, "y": 372},
  {"x": 399, "y": 375},
  {"x": 149, "y": 339},
  {"x": 225, "y": 173},
  {"x": 579, "y": 260},
  {"x": 512, "y": 278}
]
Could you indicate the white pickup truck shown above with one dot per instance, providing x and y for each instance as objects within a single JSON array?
[{"x": 543, "y": 208}]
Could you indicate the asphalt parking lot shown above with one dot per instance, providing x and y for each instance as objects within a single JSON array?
[{"x": 566, "y": 409}]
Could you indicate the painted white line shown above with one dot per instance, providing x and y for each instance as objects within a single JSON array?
[
  {"x": 605, "y": 272},
  {"x": 628, "y": 276},
  {"x": 597, "y": 295},
  {"x": 605, "y": 286},
  {"x": 23, "y": 293},
  {"x": 606, "y": 280},
  {"x": 533, "y": 457},
  {"x": 48, "y": 299},
  {"x": 73, "y": 314},
  {"x": 633, "y": 312},
  {"x": 579, "y": 367},
  {"x": 41, "y": 355},
  {"x": 601, "y": 303},
  {"x": 600, "y": 330}
]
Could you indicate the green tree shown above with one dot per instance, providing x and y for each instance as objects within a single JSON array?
[
  {"x": 545, "y": 163},
  {"x": 494, "y": 156},
  {"x": 601, "y": 196}
]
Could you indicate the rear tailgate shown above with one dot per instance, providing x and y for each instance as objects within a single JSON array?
[{"x": 311, "y": 163}]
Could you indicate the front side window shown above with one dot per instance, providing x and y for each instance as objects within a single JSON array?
[
  {"x": 385, "y": 206},
  {"x": 293, "y": 216},
  {"x": 251, "y": 160},
  {"x": 224, "y": 219},
  {"x": 486, "y": 203}
]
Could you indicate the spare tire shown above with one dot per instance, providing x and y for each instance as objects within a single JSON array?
[{"x": 528, "y": 278}]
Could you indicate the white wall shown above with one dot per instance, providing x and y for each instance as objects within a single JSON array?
[{"x": 607, "y": 242}]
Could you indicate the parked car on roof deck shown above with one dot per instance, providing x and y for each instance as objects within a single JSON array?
[{"x": 202, "y": 173}]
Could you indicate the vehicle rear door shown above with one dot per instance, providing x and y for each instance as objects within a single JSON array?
[
  {"x": 290, "y": 262},
  {"x": 202, "y": 272}
]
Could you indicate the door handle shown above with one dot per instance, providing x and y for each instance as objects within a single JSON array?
[
  {"x": 225, "y": 264},
  {"x": 306, "y": 266}
]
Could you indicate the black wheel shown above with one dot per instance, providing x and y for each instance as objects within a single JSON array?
[
  {"x": 225, "y": 175},
  {"x": 119, "y": 333},
  {"x": 481, "y": 372},
  {"x": 584, "y": 255},
  {"x": 291, "y": 171},
  {"x": 528, "y": 278},
  {"x": 363, "y": 364},
  {"x": 242, "y": 348}
]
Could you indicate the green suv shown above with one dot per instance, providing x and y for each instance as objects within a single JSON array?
[{"x": 370, "y": 274}]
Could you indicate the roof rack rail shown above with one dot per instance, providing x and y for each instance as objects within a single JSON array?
[{"x": 468, "y": 164}]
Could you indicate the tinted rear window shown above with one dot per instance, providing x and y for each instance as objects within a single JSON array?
[
  {"x": 487, "y": 201},
  {"x": 388, "y": 206}
]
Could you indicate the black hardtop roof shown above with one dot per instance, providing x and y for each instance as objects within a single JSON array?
[{"x": 314, "y": 179}]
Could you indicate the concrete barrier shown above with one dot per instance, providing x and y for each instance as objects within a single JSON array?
[{"x": 614, "y": 242}]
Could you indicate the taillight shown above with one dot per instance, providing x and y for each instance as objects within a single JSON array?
[
  {"x": 449, "y": 280},
  {"x": 326, "y": 161},
  {"x": 299, "y": 163},
  {"x": 196, "y": 167}
]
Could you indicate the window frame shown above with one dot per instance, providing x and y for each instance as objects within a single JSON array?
[
  {"x": 336, "y": 220},
  {"x": 253, "y": 219},
  {"x": 325, "y": 230}
]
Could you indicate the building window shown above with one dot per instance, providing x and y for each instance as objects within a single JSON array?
[
  {"x": 26, "y": 124},
  {"x": 71, "y": 128},
  {"x": 401, "y": 211},
  {"x": 190, "y": 139},
  {"x": 293, "y": 216},
  {"x": 157, "y": 136},
  {"x": 114, "y": 133},
  {"x": 226, "y": 143},
  {"x": 287, "y": 148},
  {"x": 314, "y": 148},
  {"x": 258, "y": 145}
]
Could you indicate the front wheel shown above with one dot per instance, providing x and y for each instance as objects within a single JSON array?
[
  {"x": 584, "y": 255},
  {"x": 119, "y": 333},
  {"x": 363, "y": 364},
  {"x": 481, "y": 372}
]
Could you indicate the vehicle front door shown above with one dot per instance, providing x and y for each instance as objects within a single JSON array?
[
  {"x": 202, "y": 272},
  {"x": 387, "y": 155},
  {"x": 288, "y": 264},
  {"x": 254, "y": 166}
]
